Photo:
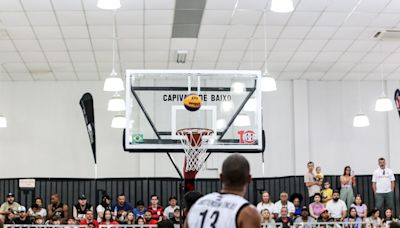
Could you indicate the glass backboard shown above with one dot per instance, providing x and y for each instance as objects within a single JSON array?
[{"x": 231, "y": 107}]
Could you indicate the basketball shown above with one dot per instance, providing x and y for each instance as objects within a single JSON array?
[{"x": 192, "y": 102}]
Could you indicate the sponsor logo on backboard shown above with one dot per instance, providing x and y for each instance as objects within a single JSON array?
[{"x": 247, "y": 136}]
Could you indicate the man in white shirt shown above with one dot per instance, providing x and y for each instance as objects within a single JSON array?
[
  {"x": 284, "y": 202},
  {"x": 383, "y": 183},
  {"x": 336, "y": 207}
]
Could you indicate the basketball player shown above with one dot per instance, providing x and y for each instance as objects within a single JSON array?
[{"x": 227, "y": 208}]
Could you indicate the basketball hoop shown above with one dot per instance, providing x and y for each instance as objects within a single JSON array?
[{"x": 194, "y": 141}]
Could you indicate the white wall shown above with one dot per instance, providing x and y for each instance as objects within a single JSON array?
[{"x": 303, "y": 120}]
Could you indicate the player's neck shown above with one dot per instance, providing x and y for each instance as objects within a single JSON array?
[{"x": 236, "y": 191}]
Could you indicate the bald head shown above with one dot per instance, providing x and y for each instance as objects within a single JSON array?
[{"x": 235, "y": 171}]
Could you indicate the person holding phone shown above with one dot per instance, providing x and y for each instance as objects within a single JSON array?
[{"x": 347, "y": 184}]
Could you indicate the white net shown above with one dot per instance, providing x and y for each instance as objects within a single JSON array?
[{"x": 195, "y": 142}]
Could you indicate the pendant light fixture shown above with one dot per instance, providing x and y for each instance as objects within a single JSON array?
[
  {"x": 3, "y": 121},
  {"x": 360, "y": 120},
  {"x": 268, "y": 83},
  {"x": 113, "y": 83},
  {"x": 383, "y": 103},
  {"x": 116, "y": 103},
  {"x": 118, "y": 121},
  {"x": 282, "y": 6},
  {"x": 109, "y": 4}
]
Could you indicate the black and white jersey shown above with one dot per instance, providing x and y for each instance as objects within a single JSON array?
[{"x": 216, "y": 210}]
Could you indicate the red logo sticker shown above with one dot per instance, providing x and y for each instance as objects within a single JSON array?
[{"x": 247, "y": 136}]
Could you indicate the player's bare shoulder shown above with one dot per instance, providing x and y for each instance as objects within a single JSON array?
[{"x": 249, "y": 217}]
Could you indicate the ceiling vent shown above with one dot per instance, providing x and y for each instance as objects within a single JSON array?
[
  {"x": 388, "y": 34},
  {"x": 181, "y": 56}
]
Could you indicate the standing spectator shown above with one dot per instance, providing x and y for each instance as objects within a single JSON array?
[
  {"x": 22, "y": 216},
  {"x": 139, "y": 210},
  {"x": 148, "y": 218},
  {"x": 283, "y": 202},
  {"x": 169, "y": 211},
  {"x": 267, "y": 217},
  {"x": 57, "y": 208},
  {"x": 80, "y": 209},
  {"x": 347, "y": 184},
  {"x": 107, "y": 219},
  {"x": 156, "y": 210},
  {"x": 37, "y": 208},
  {"x": 388, "y": 218},
  {"x": 286, "y": 221},
  {"x": 353, "y": 218},
  {"x": 104, "y": 205},
  {"x": 121, "y": 208},
  {"x": 296, "y": 199},
  {"x": 373, "y": 218},
  {"x": 311, "y": 183},
  {"x": 337, "y": 207},
  {"x": 383, "y": 183},
  {"x": 305, "y": 218},
  {"x": 360, "y": 207},
  {"x": 266, "y": 203},
  {"x": 316, "y": 208},
  {"x": 8, "y": 207},
  {"x": 89, "y": 219},
  {"x": 326, "y": 193}
]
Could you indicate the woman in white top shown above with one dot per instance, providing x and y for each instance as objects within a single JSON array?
[
  {"x": 37, "y": 209},
  {"x": 104, "y": 205},
  {"x": 266, "y": 203}
]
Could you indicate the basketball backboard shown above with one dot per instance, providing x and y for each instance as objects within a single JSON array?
[{"x": 231, "y": 108}]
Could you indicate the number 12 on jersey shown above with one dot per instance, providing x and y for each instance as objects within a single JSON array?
[{"x": 213, "y": 218}]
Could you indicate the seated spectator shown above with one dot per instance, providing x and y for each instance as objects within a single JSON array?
[
  {"x": 283, "y": 202},
  {"x": 8, "y": 207},
  {"x": 296, "y": 199},
  {"x": 316, "y": 207},
  {"x": 104, "y": 205},
  {"x": 56, "y": 220},
  {"x": 373, "y": 218},
  {"x": 71, "y": 221},
  {"x": 337, "y": 207},
  {"x": 165, "y": 224},
  {"x": 139, "y": 210},
  {"x": 324, "y": 216},
  {"x": 23, "y": 217},
  {"x": 169, "y": 211},
  {"x": 148, "y": 218},
  {"x": 80, "y": 209},
  {"x": 89, "y": 218},
  {"x": 266, "y": 203},
  {"x": 352, "y": 217},
  {"x": 39, "y": 220},
  {"x": 326, "y": 193},
  {"x": 10, "y": 217},
  {"x": 91, "y": 225},
  {"x": 360, "y": 207},
  {"x": 177, "y": 216},
  {"x": 130, "y": 219},
  {"x": 139, "y": 221},
  {"x": 157, "y": 211},
  {"x": 37, "y": 208},
  {"x": 388, "y": 218},
  {"x": 305, "y": 218},
  {"x": 121, "y": 208},
  {"x": 267, "y": 217},
  {"x": 284, "y": 218},
  {"x": 108, "y": 219},
  {"x": 57, "y": 208}
]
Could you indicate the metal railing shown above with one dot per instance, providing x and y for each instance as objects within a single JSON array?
[
  {"x": 323, "y": 225},
  {"x": 42, "y": 226}
]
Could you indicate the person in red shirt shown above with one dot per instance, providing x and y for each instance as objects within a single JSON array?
[
  {"x": 148, "y": 219},
  {"x": 107, "y": 219},
  {"x": 89, "y": 219},
  {"x": 156, "y": 210}
]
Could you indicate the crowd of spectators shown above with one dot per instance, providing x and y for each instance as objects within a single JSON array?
[
  {"x": 327, "y": 205},
  {"x": 333, "y": 205}
]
